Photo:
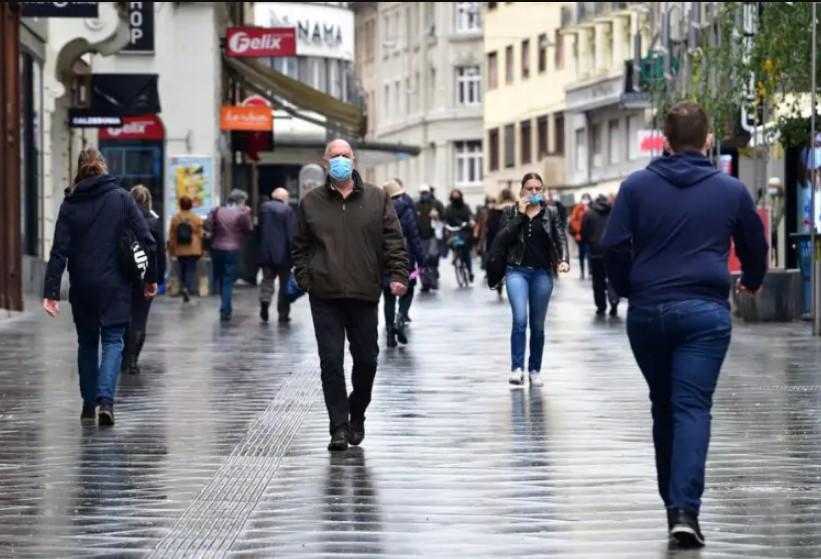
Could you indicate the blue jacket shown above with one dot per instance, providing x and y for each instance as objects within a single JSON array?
[
  {"x": 87, "y": 236},
  {"x": 406, "y": 211},
  {"x": 276, "y": 233},
  {"x": 668, "y": 238}
]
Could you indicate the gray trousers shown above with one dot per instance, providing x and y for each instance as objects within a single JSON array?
[{"x": 266, "y": 288}]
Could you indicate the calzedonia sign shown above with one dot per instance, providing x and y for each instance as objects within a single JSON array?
[{"x": 260, "y": 41}]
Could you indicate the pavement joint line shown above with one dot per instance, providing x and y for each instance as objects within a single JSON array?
[{"x": 212, "y": 522}]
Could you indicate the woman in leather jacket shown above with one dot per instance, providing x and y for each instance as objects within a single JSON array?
[{"x": 535, "y": 242}]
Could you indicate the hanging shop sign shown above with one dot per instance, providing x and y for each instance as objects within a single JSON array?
[
  {"x": 140, "y": 27},
  {"x": 260, "y": 41},
  {"x": 246, "y": 118}
]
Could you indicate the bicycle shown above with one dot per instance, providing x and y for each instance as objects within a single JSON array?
[{"x": 457, "y": 244}]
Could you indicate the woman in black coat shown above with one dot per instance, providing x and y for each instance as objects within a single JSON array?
[
  {"x": 140, "y": 306},
  {"x": 87, "y": 233}
]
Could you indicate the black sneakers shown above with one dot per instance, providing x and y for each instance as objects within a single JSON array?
[
  {"x": 401, "y": 336},
  {"x": 614, "y": 311},
  {"x": 263, "y": 311},
  {"x": 106, "y": 414},
  {"x": 339, "y": 440},
  {"x": 391, "y": 333},
  {"x": 684, "y": 529},
  {"x": 89, "y": 413},
  {"x": 357, "y": 430}
]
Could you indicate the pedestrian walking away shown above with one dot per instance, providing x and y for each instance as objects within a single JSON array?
[
  {"x": 185, "y": 242},
  {"x": 592, "y": 230},
  {"x": 276, "y": 227},
  {"x": 227, "y": 225},
  {"x": 347, "y": 236},
  {"x": 666, "y": 248},
  {"x": 405, "y": 211},
  {"x": 575, "y": 228},
  {"x": 140, "y": 306},
  {"x": 535, "y": 245},
  {"x": 96, "y": 214}
]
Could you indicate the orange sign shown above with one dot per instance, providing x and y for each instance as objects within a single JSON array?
[{"x": 253, "y": 119}]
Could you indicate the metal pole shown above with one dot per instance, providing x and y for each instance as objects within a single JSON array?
[{"x": 813, "y": 217}]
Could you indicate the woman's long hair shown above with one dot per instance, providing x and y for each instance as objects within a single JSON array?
[
  {"x": 142, "y": 196},
  {"x": 90, "y": 163}
]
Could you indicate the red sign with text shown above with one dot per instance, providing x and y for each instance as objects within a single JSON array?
[
  {"x": 260, "y": 41},
  {"x": 147, "y": 127}
]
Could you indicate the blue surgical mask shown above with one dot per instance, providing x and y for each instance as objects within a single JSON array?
[
  {"x": 425, "y": 197},
  {"x": 534, "y": 199},
  {"x": 341, "y": 168}
]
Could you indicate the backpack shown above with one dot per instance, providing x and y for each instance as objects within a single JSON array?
[{"x": 185, "y": 233}]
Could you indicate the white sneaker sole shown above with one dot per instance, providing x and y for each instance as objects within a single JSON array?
[{"x": 685, "y": 536}]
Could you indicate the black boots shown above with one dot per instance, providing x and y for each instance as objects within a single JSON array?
[{"x": 263, "y": 311}]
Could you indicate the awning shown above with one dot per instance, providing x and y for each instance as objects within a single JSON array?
[
  {"x": 115, "y": 96},
  {"x": 291, "y": 95}
]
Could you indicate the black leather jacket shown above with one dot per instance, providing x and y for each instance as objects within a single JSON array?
[{"x": 512, "y": 236}]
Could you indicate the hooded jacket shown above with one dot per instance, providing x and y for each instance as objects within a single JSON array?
[
  {"x": 593, "y": 226},
  {"x": 406, "y": 212},
  {"x": 87, "y": 236},
  {"x": 670, "y": 231},
  {"x": 342, "y": 246}
]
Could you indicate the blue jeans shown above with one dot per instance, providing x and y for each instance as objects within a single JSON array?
[
  {"x": 680, "y": 348},
  {"x": 98, "y": 376},
  {"x": 528, "y": 287},
  {"x": 225, "y": 264}
]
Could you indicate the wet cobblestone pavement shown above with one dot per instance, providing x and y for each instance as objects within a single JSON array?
[{"x": 219, "y": 449}]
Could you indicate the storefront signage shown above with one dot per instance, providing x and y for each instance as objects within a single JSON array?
[
  {"x": 140, "y": 27},
  {"x": 322, "y": 30},
  {"x": 651, "y": 142},
  {"x": 135, "y": 128},
  {"x": 60, "y": 9},
  {"x": 261, "y": 42},
  {"x": 246, "y": 118},
  {"x": 83, "y": 119}
]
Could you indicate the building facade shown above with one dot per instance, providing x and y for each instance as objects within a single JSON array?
[
  {"x": 605, "y": 120},
  {"x": 419, "y": 65},
  {"x": 527, "y": 67}
]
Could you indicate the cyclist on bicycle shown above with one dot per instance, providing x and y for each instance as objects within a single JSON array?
[{"x": 458, "y": 215}]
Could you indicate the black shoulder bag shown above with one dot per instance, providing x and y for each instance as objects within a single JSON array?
[{"x": 132, "y": 257}]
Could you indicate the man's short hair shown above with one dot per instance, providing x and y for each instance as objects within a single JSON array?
[{"x": 686, "y": 127}]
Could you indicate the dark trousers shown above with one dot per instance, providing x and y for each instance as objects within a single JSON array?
[
  {"x": 266, "y": 288},
  {"x": 680, "y": 348},
  {"x": 135, "y": 332},
  {"x": 602, "y": 289},
  {"x": 188, "y": 272},
  {"x": 334, "y": 319},
  {"x": 582, "y": 245},
  {"x": 390, "y": 304},
  {"x": 225, "y": 269}
]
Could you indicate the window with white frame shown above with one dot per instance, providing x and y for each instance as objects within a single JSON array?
[
  {"x": 468, "y": 17},
  {"x": 581, "y": 150},
  {"x": 469, "y": 163},
  {"x": 468, "y": 86},
  {"x": 633, "y": 127}
]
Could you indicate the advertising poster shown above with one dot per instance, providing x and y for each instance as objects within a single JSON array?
[{"x": 192, "y": 176}]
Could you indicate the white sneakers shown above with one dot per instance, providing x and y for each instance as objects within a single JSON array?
[{"x": 517, "y": 377}]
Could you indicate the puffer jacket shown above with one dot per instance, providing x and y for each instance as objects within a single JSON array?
[{"x": 512, "y": 236}]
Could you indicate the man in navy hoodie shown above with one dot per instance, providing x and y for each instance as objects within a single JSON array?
[{"x": 666, "y": 248}]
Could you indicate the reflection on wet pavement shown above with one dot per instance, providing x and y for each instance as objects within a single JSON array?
[{"x": 220, "y": 443}]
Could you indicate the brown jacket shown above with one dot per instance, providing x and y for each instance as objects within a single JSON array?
[
  {"x": 342, "y": 247},
  {"x": 195, "y": 248}
]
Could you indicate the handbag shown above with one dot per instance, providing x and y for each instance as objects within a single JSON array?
[
  {"x": 132, "y": 258},
  {"x": 293, "y": 291},
  {"x": 496, "y": 264}
]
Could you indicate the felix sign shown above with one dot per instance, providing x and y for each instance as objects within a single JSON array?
[{"x": 260, "y": 42}]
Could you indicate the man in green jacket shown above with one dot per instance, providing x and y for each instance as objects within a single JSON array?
[{"x": 347, "y": 237}]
